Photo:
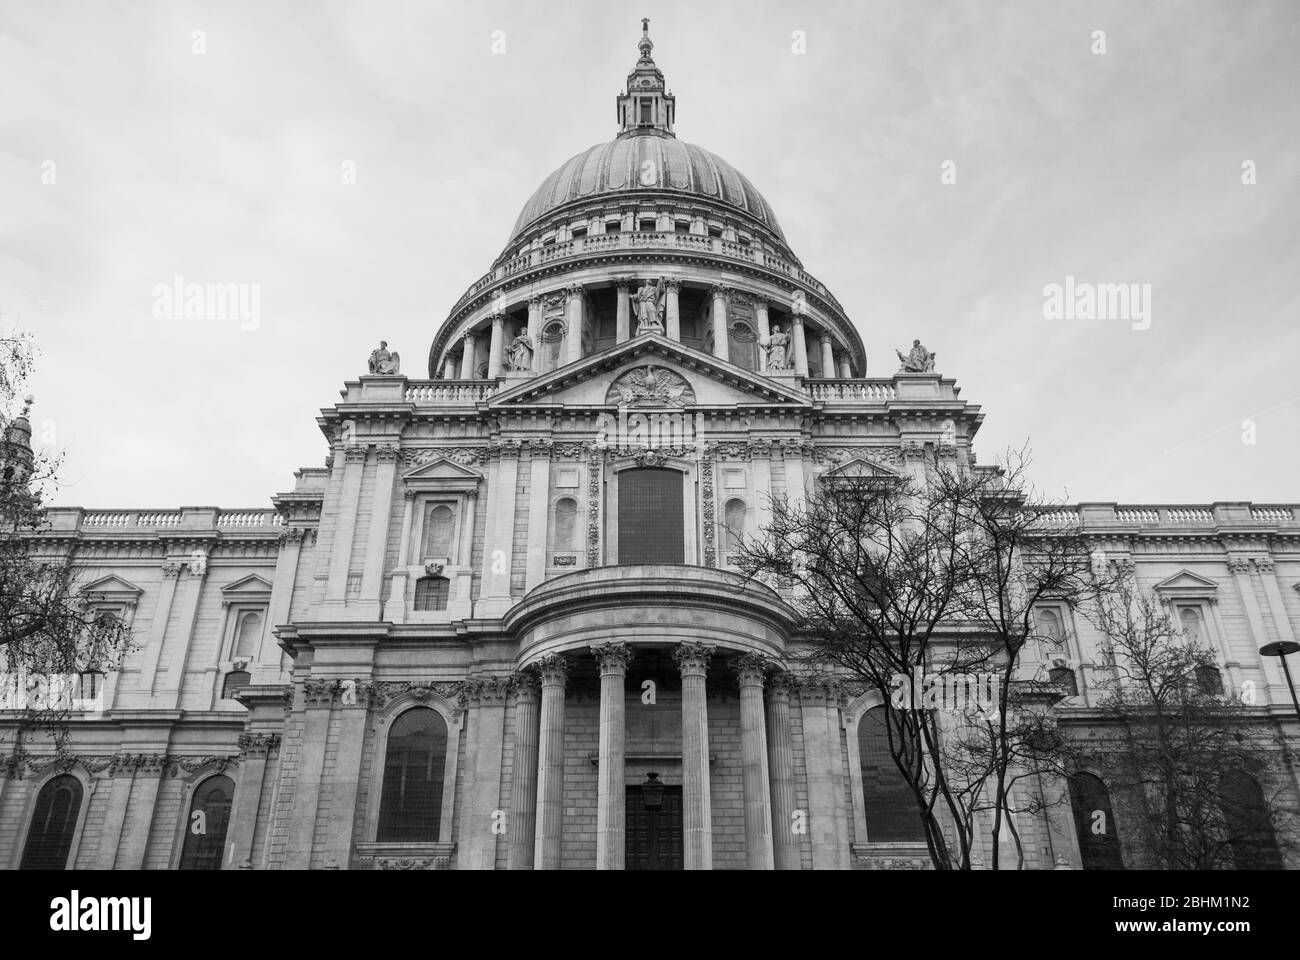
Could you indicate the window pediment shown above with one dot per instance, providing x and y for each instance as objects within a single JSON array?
[
  {"x": 1186, "y": 585},
  {"x": 249, "y": 589}
]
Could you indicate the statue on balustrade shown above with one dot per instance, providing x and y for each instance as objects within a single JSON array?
[
  {"x": 918, "y": 359},
  {"x": 383, "y": 361},
  {"x": 776, "y": 348},
  {"x": 519, "y": 355},
  {"x": 649, "y": 301}
]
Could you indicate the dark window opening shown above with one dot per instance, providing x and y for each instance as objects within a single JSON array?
[
  {"x": 1247, "y": 822},
  {"x": 49, "y": 840},
  {"x": 614, "y": 226},
  {"x": 1094, "y": 823},
  {"x": 651, "y": 525},
  {"x": 892, "y": 813},
  {"x": 579, "y": 232},
  {"x": 205, "y": 831},
  {"x": 410, "y": 807},
  {"x": 431, "y": 593},
  {"x": 1064, "y": 678},
  {"x": 646, "y": 225},
  {"x": 234, "y": 680},
  {"x": 1209, "y": 681}
]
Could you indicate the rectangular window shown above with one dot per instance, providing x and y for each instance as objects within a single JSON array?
[
  {"x": 646, "y": 106},
  {"x": 651, "y": 523}
]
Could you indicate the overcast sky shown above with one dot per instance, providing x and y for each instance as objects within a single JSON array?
[{"x": 225, "y": 166}]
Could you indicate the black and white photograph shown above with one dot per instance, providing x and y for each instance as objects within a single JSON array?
[{"x": 856, "y": 438}]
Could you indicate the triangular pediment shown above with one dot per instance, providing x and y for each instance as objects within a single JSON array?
[
  {"x": 1186, "y": 583},
  {"x": 650, "y": 371},
  {"x": 247, "y": 587},
  {"x": 860, "y": 468},
  {"x": 442, "y": 469},
  {"x": 112, "y": 586}
]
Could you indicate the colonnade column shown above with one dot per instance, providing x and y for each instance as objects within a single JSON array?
[
  {"x": 753, "y": 758},
  {"x": 719, "y": 321},
  {"x": 846, "y": 369},
  {"x": 535, "y": 329},
  {"x": 623, "y": 315},
  {"x": 449, "y": 370},
  {"x": 467, "y": 357},
  {"x": 611, "y": 805},
  {"x": 523, "y": 795},
  {"x": 780, "y": 750},
  {"x": 672, "y": 310},
  {"x": 697, "y": 820},
  {"x": 550, "y": 767},
  {"x": 573, "y": 324},
  {"x": 496, "y": 345},
  {"x": 760, "y": 317},
  {"x": 828, "y": 356},
  {"x": 800, "y": 344}
]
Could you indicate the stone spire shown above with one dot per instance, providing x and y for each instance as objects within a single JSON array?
[{"x": 646, "y": 107}]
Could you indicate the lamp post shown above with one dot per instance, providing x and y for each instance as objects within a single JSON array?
[{"x": 1282, "y": 649}]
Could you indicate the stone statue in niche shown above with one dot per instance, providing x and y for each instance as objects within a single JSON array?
[
  {"x": 383, "y": 361},
  {"x": 649, "y": 301},
  {"x": 519, "y": 356},
  {"x": 917, "y": 360},
  {"x": 776, "y": 347}
]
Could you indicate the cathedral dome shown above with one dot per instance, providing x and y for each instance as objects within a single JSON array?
[{"x": 646, "y": 160}]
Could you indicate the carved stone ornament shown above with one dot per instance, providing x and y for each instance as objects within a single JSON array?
[
  {"x": 466, "y": 456},
  {"x": 650, "y": 386},
  {"x": 384, "y": 362}
]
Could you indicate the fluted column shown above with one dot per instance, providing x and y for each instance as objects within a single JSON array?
[
  {"x": 753, "y": 758},
  {"x": 719, "y": 322},
  {"x": 697, "y": 819},
  {"x": 550, "y": 766},
  {"x": 495, "y": 346},
  {"x": 535, "y": 330},
  {"x": 611, "y": 805},
  {"x": 828, "y": 356},
  {"x": 523, "y": 795},
  {"x": 780, "y": 751},
  {"x": 760, "y": 318},
  {"x": 800, "y": 344},
  {"x": 573, "y": 324},
  {"x": 467, "y": 357},
  {"x": 623, "y": 315},
  {"x": 672, "y": 311}
]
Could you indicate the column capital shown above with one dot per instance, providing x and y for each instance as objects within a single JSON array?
[
  {"x": 356, "y": 453},
  {"x": 796, "y": 319},
  {"x": 760, "y": 303},
  {"x": 552, "y": 670},
  {"x": 573, "y": 291},
  {"x": 611, "y": 657},
  {"x": 780, "y": 683},
  {"x": 673, "y": 286},
  {"x": 693, "y": 658},
  {"x": 469, "y": 335},
  {"x": 498, "y": 319},
  {"x": 525, "y": 686},
  {"x": 751, "y": 669},
  {"x": 535, "y": 301},
  {"x": 624, "y": 287},
  {"x": 720, "y": 290}
]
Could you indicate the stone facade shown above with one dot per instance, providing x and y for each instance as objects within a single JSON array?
[{"x": 459, "y": 553}]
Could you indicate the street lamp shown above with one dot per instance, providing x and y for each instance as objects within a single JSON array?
[{"x": 1281, "y": 649}]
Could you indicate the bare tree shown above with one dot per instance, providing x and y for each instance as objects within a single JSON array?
[
  {"x": 49, "y": 635},
  {"x": 894, "y": 578},
  {"x": 1185, "y": 760}
]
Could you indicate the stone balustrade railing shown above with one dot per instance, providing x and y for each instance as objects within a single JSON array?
[
  {"x": 449, "y": 391},
  {"x": 647, "y": 240},
  {"x": 1217, "y": 514},
  {"x": 853, "y": 391},
  {"x": 144, "y": 520}
]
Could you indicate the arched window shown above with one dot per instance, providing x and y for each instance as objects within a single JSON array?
[
  {"x": 410, "y": 807},
  {"x": 1094, "y": 822},
  {"x": 734, "y": 518},
  {"x": 205, "y": 830},
  {"x": 552, "y": 343},
  {"x": 439, "y": 525},
  {"x": 566, "y": 524},
  {"x": 234, "y": 680},
  {"x": 1247, "y": 823},
  {"x": 1193, "y": 627},
  {"x": 250, "y": 631},
  {"x": 651, "y": 527},
  {"x": 891, "y": 809},
  {"x": 431, "y": 593},
  {"x": 49, "y": 840}
]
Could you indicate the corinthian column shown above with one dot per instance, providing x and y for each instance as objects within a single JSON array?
[
  {"x": 697, "y": 821},
  {"x": 523, "y": 796},
  {"x": 800, "y": 344},
  {"x": 720, "y": 322},
  {"x": 550, "y": 767},
  {"x": 672, "y": 311},
  {"x": 467, "y": 357},
  {"x": 573, "y": 324},
  {"x": 496, "y": 345},
  {"x": 623, "y": 315},
  {"x": 780, "y": 750},
  {"x": 611, "y": 810},
  {"x": 828, "y": 356},
  {"x": 760, "y": 317},
  {"x": 753, "y": 758}
]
